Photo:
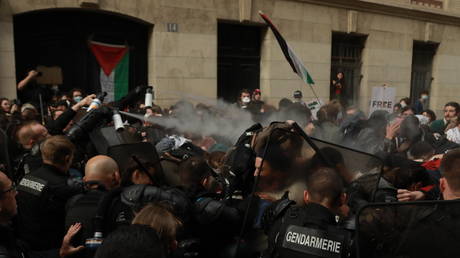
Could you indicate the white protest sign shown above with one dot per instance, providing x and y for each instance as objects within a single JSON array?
[
  {"x": 383, "y": 98},
  {"x": 314, "y": 106}
]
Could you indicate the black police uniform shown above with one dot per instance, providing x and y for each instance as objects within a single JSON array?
[
  {"x": 42, "y": 196},
  {"x": 213, "y": 217},
  {"x": 10, "y": 247},
  {"x": 435, "y": 233},
  {"x": 133, "y": 198},
  {"x": 82, "y": 208},
  {"x": 30, "y": 160},
  {"x": 309, "y": 231}
]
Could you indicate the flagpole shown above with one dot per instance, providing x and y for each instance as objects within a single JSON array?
[{"x": 314, "y": 93}]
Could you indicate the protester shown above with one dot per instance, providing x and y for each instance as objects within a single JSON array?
[
  {"x": 422, "y": 103},
  {"x": 256, "y": 105},
  {"x": 297, "y": 95},
  {"x": 339, "y": 87},
  {"x": 430, "y": 115},
  {"x": 5, "y": 105},
  {"x": 451, "y": 110},
  {"x": 404, "y": 102},
  {"x": 453, "y": 134},
  {"x": 441, "y": 222},
  {"x": 163, "y": 221},
  {"x": 327, "y": 125},
  {"x": 244, "y": 99}
]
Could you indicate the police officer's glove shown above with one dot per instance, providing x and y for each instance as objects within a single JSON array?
[{"x": 275, "y": 211}]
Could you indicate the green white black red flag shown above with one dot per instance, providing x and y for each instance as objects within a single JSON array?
[
  {"x": 114, "y": 63},
  {"x": 288, "y": 52}
]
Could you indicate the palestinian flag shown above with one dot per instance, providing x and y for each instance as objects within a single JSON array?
[
  {"x": 291, "y": 57},
  {"x": 114, "y": 63}
]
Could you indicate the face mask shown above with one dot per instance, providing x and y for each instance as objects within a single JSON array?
[
  {"x": 403, "y": 104},
  {"x": 424, "y": 97},
  {"x": 246, "y": 100},
  {"x": 77, "y": 98}
]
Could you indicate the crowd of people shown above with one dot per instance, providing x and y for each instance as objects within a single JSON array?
[{"x": 295, "y": 188}]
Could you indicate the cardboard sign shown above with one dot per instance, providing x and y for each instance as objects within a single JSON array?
[
  {"x": 314, "y": 106},
  {"x": 50, "y": 75},
  {"x": 383, "y": 98}
]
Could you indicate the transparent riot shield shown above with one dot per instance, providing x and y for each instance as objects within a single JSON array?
[
  {"x": 409, "y": 229},
  {"x": 357, "y": 163},
  {"x": 292, "y": 154}
]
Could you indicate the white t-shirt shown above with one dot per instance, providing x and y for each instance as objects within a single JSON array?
[{"x": 453, "y": 135}]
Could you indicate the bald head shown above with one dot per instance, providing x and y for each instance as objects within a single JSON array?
[{"x": 104, "y": 170}]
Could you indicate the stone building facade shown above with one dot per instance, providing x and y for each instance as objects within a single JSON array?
[{"x": 185, "y": 61}]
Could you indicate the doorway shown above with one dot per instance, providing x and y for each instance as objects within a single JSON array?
[
  {"x": 59, "y": 38},
  {"x": 346, "y": 58}
]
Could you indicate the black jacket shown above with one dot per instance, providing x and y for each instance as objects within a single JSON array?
[
  {"x": 434, "y": 233},
  {"x": 301, "y": 232},
  {"x": 83, "y": 208},
  {"x": 42, "y": 196},
  {"x": 9, "y": 246}
]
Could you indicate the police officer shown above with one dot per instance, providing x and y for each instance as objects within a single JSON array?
[
  {"x": 43, "y": 193},
  {"x": 101, "y": 175},
  {"x": 30, "y": 134},
  {"x": 311, "y": 230},
  {"x": 10, "y": 246},
  {"x": 211, "y": 215},
  {"x": 141, "y": 183}
]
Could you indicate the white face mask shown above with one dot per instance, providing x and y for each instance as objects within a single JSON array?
[
  {"x": 77, "y": 98},
  {"x": 424, "y": 97},
  {"x": 246, "y": 100},
  {"x": 403, "y": 104}
]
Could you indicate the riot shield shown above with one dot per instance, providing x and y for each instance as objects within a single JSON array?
[
  {"x": 409, "y": 229},
  {"x": 287, "y": 149},
  {"x": 5, "y": 163},
  {"x": 123, "y": 155},
  {"x": 357, "y": 163}
]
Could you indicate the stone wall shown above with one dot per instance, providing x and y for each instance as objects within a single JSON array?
[{"x": 7, "y": 63}]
